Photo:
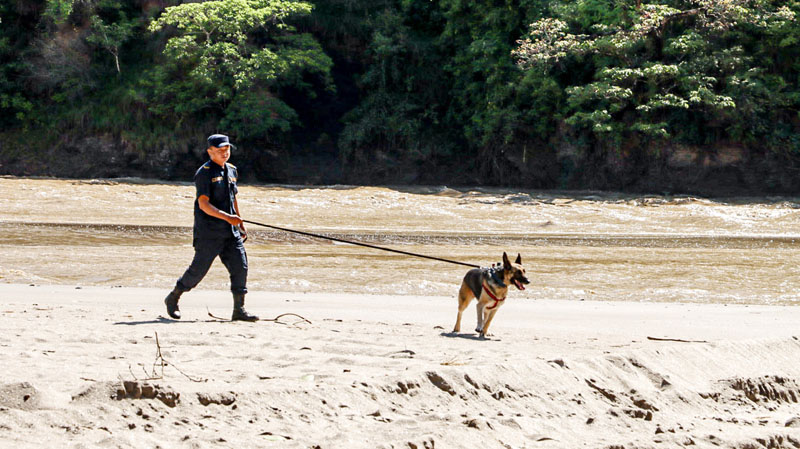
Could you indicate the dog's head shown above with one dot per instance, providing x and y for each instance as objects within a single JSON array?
[{"x": 514, "y": 273}]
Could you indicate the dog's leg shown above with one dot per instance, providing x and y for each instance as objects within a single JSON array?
[
  {"x": 480, "y": 307},
  {"x": 489, "y": 318},
  {"x": 464, "y": 298}
]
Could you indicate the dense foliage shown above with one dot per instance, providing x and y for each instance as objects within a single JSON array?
[
  {"x": 561, "y": 93},
  {"x": 693, "y": 71}
]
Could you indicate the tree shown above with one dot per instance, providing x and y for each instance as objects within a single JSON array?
[
  {"x": 657, "y": 70},
  {"x": 404, "y": 92},
  {"x": 222, "y": 52},
  {"x": 15, "y": 105},
  {"x": 110, "y": 36},
  {"x": 499, "y": 107}
]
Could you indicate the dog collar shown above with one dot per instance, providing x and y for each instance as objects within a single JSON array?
[
  {"x": 495, "y": 298},
  {"x": 498, "y": 281}
]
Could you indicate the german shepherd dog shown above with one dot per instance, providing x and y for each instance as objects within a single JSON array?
[{"x": 490, "y": 286}]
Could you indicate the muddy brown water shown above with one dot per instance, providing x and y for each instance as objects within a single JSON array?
[{"x": 575, "y": 245}]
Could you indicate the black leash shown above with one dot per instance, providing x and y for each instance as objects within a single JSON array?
[{"x": 361, "y": 244}]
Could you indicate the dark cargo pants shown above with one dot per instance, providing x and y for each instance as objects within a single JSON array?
[{"x": 230, "y": 250}]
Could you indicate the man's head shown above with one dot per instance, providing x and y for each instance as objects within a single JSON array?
[{"x": 219, "y": 148}]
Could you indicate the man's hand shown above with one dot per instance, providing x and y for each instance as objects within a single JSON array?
[
  {"x": 210, "y": 209},
  {"x": 234, "y": 220},
  {"x": 242, "y": 230}
]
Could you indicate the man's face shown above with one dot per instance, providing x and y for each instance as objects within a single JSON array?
[{"x": 219, "y": 155}]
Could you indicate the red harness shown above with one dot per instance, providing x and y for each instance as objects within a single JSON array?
[{"x": 496, "y": 299}]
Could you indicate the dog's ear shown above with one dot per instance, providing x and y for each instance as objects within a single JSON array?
[
  {"x": 519, "y": 259},
  {"x": 506, "y": 263}
]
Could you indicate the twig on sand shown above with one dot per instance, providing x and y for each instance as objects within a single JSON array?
[
  {"x": 130, "y": 370},
  {"x": 214, "y": 316},
  {"x": 274, "y": 320},
  {"x": 454, "y": 361},
  {"x": 302, "y": 319},
  {"x": 405, "y": 354},
  {"x": 159, "y": 358},
  {"x": 161, "y": 361},
  {"x": 676, "y": 339}
]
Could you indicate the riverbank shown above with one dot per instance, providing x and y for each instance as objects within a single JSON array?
[{"x": 385, "y": 371}]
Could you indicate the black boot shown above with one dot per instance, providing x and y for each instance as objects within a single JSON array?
[
  {"x": 239, "y": 314},
  {"x": 172, "y": 303}
]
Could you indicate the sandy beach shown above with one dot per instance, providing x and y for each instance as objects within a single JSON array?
[
  {"x": 384, "y": 371},
  {"x": 650, "y": 322}
]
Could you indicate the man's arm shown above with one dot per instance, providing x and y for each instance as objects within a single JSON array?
[
  {"x": 206, "y": 206},
  {"x": 239, "y": 214}
]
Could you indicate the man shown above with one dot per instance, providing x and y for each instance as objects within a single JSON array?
[{"x": 218, "y": 229}]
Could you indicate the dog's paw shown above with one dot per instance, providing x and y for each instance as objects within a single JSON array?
[{"x": 479, "y": 330}]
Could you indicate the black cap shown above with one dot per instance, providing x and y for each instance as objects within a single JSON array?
[{"x": 219, "y": 141}]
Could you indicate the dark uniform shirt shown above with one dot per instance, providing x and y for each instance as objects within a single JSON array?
[{"x": 219, "y": 185}]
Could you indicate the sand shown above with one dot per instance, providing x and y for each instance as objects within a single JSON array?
[
  {"x": 622, "y": 340},
  {"x": 380, "y": 371}
]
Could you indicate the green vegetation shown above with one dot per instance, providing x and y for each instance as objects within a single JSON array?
[
  {"x": 691, "y": 72},
  {"x": 550, "y": 94}
]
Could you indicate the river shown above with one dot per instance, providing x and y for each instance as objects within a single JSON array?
[{"x": 574, "y": 245}]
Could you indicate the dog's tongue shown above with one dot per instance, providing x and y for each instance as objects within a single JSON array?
[{"x": 519, "y": 284}]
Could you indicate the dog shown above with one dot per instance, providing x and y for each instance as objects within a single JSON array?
[{"x": 490, "y": 287}]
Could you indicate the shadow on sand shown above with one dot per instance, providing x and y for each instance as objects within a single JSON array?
[
  {"x": 467, "y": 336},
  {"x": 162, "y": 320}
]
